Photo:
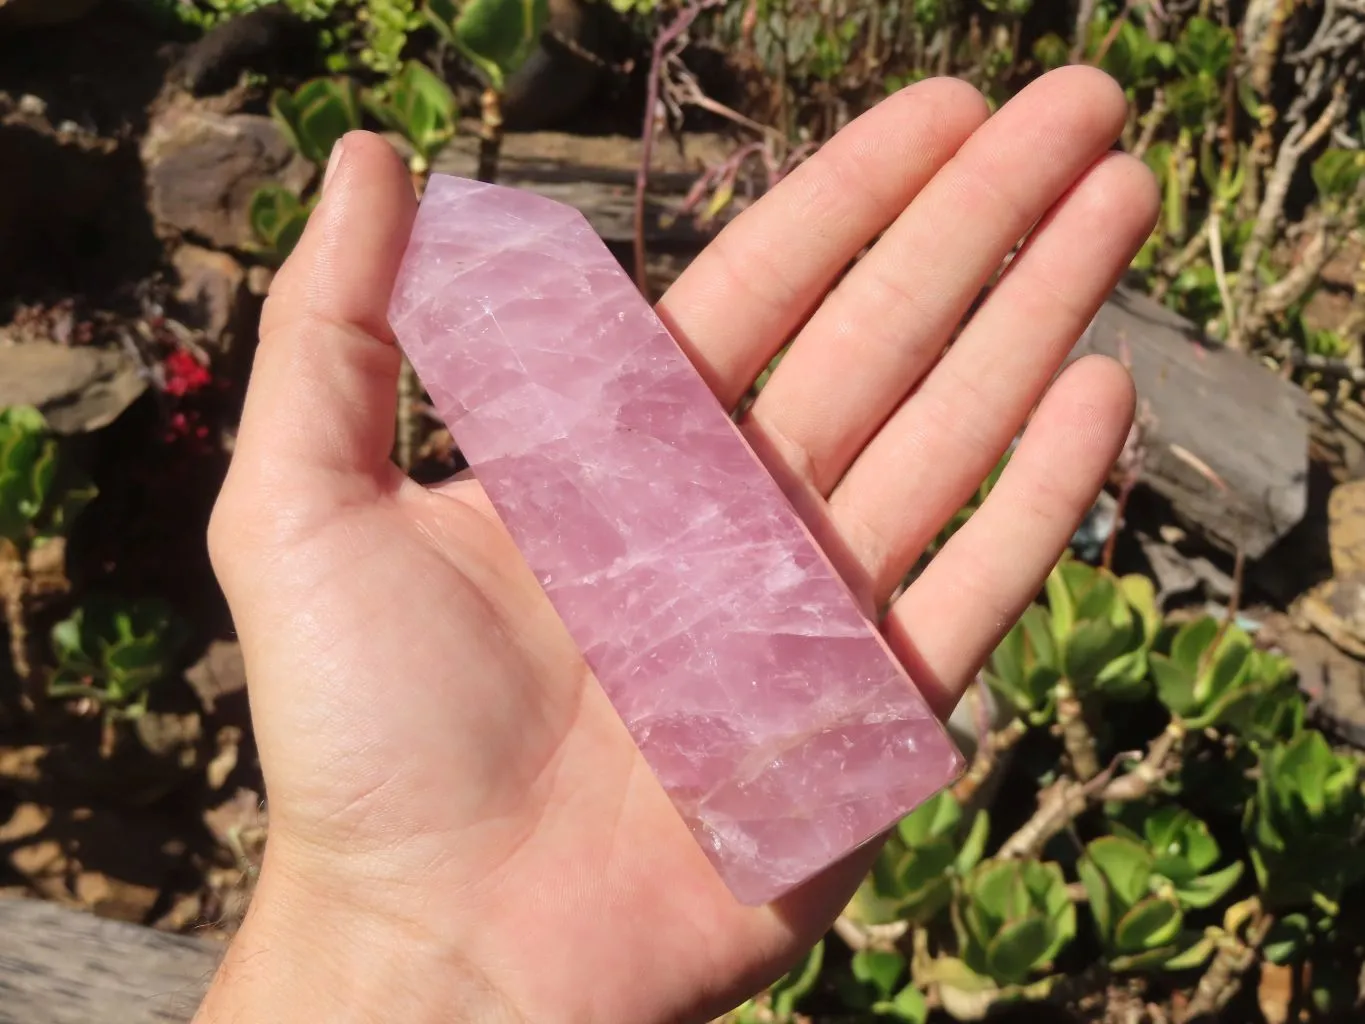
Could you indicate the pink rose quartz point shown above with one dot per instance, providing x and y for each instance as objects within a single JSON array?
[{"x": 764, "y": 700}]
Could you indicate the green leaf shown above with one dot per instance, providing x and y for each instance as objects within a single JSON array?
[
  {"x": 937, "y": 816},
  {"x": 880, "y": 968},
  {"x": 991, "y": 891},
  {"x": 1051, "y": 51},
  {"x": 1193, "y": 950},
  {"x": 1206, "y": 890},
  {"x": 1204, "y": 48},
  {"x": 797, "y": 983},
  {"x": 1337, "y": 173},
  {"x": 1191, "y": 641},
  {"x": 1018, "y": 948},
  {"x": 277, "y": 218},
  {"x": 1098, "y": 896},
  {"x": 924, "y": 866},
  {"x": 66, "y": 638},
  {"x": 1061, "y": 606},
  {"x": 1228, "y": 668},
  {"x": 1288, "y": 939},
  {"x": 420, "y": 106},
  {"x": 498, "y": 35},
  {"x": 1151, "y": 922},
  {"x": 1090, "y": 647},
  {"x": 1126, "y": 866},
  {"x": 969, "y": 855},
  {"x": 909, "y": 1006}
]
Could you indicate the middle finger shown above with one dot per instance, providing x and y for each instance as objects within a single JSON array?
[{"x": 889, "y": 319}]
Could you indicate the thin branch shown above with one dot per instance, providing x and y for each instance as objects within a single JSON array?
[
  {"x": 1066, "y": 799},
  {"x": 1220, "y": 274},
  {"x": 671, "y": 39},
  {"x": 1300, "y": 139},
  {"x": 1223, "y": 978}
]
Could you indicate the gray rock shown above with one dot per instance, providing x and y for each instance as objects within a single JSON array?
[
  {"x": 204, "y": 167},
  {"x": 211, "y": 295},
  {"x": 77, "y": 389}
]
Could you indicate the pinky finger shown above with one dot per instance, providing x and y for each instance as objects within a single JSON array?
[{"x": 945, "y": 626}]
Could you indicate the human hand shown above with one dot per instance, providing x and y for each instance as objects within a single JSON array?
[{"x": 460, "y": 826}]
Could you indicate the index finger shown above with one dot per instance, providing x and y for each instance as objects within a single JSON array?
[{"x": 738, "y": 302}]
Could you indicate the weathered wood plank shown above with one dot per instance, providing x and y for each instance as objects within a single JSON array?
[
  {"x": 65, "y": 966},
  {"x": 1211, "y": 406},
  {"x": 597, "y": 176}
]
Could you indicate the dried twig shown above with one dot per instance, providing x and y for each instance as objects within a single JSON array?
[
  {"x": 1301, "y": 138},
  {"x": 667, "y": 45}
]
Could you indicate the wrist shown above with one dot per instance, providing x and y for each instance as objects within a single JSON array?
[{"x": 305, "y": 954}]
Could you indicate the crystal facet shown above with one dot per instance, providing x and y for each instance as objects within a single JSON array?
[{"x": 764, "y": 700}]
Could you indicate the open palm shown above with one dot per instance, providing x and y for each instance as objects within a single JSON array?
[{"x": 450, "y": 792}]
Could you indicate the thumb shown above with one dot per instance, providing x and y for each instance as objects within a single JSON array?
[{"x": 320, "y": 404}]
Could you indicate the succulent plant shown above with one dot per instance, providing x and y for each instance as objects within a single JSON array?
[
  {"x": 1304, "y": 826},
  {"x": 316, "y": 114},
  {"x": 278, "y": 218},
  {"x": 1012, "y": 918},
  {"x": 877, "y": 984},
  {"x": 1103, "y": 626},
  {"x": 1184, "y": 852},
  {"x": 41, "y": 493},
  {"x": 115, "y": 652},
  {"x": 496, "y": 36},
  {"x": 1137, "y": 913},
  {"x": 1213, "y": 675},
  {"x": 419, "y": 106},
  {"x": 778, "y": 1004},
  {"x": 920, "y": 862}
]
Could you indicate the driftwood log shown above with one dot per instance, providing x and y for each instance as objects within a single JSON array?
[
  {"x": 1226, "y": 438},
  {"x": 64, "y": 966}
]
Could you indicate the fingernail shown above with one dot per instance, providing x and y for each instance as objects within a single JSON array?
[{"x": 332, "y": 162}]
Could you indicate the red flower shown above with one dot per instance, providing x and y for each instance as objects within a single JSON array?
[{"x": 184, "y": 374}]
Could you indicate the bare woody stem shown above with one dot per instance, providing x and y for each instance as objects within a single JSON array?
[
  {"x": 666, "y": 43},
  {"x": 1300, "y": 139},
  {"x": 490, "y": 135},
  {"x": 1066, "y": 799},
  {"x": 987, "y": 758},
  {"x": 1222, "y": 979},
  {"x": 1076, "y": 734}
]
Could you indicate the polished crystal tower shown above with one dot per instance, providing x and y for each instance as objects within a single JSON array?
[{"x": 767, "y": 704}]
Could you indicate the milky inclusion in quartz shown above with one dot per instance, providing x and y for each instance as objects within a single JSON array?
[{"x": 764, "y": 700}]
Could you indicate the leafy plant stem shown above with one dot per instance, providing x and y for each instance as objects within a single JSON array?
[
  {"x": 1150, "y": 124},
  {"x": 1187, "y": 254},
  {"x": 987, "y": 758},
  {"x": 1076, "y": 734},
  {"x": 490, "y": 136}
]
